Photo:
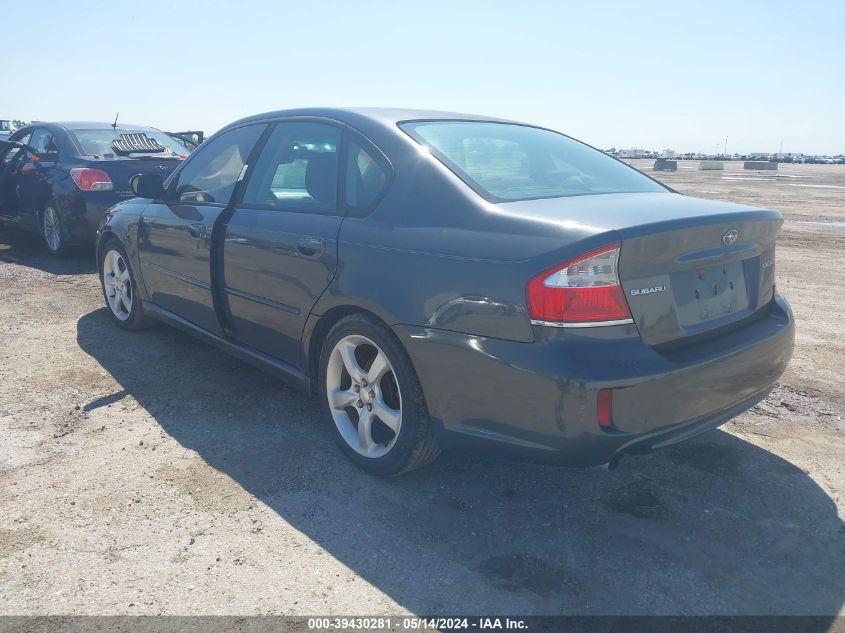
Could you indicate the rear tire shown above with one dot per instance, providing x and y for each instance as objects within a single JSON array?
[
  {"x": 365, "y": 377},
  {"x": 117, "y": 280},
  {"x": 52, "y": 231}
]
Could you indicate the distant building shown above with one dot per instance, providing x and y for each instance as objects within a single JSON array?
[{"x": 631, "y": 153}]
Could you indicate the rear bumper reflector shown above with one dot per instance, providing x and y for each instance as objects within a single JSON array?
[{"x": 604, "y": 408}]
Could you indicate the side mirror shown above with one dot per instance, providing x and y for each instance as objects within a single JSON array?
[{"x": 147, "y": 186}]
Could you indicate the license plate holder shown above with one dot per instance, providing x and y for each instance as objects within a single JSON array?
[{"x": 710, "y": 293}]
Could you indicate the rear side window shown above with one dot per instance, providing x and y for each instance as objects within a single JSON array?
[
  {"x": 366, "y": 178},
  {"x": 43, "y": 142},
  {"x": 506, "y": 162},
  {"x": 210, "y": 175},
  {"x": 297, "y": 169}
]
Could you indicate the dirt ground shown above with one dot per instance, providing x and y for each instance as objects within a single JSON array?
[{"x": 146, "y": 473}]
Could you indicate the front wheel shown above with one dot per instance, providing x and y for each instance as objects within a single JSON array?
[
  {"x": 119, "y": 287},
  {"x": 373, "y": 397}
]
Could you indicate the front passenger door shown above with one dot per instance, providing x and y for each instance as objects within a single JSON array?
[
  {"x": 35, "y": 177},
  {"x": 12, "y": 159},
  {"x": 174, "y": 235}
]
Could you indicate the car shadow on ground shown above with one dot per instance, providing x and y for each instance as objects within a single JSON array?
[
  {"x": 714, "y": 526},
  {"x": 28, "y": 249}
]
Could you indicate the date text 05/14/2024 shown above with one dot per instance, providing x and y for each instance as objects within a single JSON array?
[{"x": 411, "y": 623}]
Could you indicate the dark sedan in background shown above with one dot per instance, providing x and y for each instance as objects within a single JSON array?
[
  {"x": 439, "y": 277},
  {"x": 56, "y": 179}
]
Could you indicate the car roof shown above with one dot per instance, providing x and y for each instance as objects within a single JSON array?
[
  {"x": 93, "y": 125},
  {"x": 88, "y": 125},
  {"x": 381, "y": 115}
]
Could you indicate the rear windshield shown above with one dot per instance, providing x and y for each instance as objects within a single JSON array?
[
  {"x": 101, "y": 143},
  {"x": 507, "y": 162}
]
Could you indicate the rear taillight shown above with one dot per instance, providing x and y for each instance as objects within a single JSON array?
[
  {"x": 581, "y": 291},
  {"x": 91, "y": 179}
]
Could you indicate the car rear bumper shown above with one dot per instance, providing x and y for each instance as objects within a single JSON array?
[
  {"x": 540, "y": 398},
  {"x": 82, "y": 212}
]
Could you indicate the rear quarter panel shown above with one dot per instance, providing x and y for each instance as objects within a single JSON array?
[{"x": 435, "y": 254}]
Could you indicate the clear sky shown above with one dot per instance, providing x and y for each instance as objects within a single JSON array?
[{"x": 682, "y": 74}]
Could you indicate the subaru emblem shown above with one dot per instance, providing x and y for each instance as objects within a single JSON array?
[
  {"x": 730, "y": 237},
  {"x": 161, "y": 167}
]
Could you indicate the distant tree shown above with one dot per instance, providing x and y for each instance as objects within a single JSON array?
[{"x": 18, "y": 124}]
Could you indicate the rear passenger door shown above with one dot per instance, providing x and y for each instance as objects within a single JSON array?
[{"x": 280, "y": 246}]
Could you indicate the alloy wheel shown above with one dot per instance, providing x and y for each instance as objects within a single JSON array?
[
  {"x": 52, "y": 229},
  {"x": 117, "y": 284},
  {"x": 364, "y": 396}
]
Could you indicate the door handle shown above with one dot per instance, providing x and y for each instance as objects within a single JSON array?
[
  {"x": 311, "y": 246},
  {"x": 197, "y": 229}
]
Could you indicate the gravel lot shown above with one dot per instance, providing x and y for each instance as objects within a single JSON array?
[{"x": 146, "y": 473}]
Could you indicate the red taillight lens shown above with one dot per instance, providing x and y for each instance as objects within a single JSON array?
[
  {"x": 604, "y": 408},
  {"x": 582, "y": 290},
  {"x": 91, "y": 179}
]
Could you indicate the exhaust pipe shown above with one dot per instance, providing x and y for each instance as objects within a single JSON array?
[{"x": 613, "y": 463}]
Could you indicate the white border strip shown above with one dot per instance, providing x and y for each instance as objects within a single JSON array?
[{"x": 585, "y": 324}]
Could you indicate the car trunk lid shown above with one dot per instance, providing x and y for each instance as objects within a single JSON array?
[
  {"x": 121, "y": 170},
  {"x": 684, "y": 278},
  {"x": 688, "y": 266}
]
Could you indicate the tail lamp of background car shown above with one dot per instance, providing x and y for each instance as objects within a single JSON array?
[
  {"x": 580, "y": 292},
  {"x": 91, "y": 179}
]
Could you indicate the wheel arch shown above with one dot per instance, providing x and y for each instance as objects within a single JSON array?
[
  {"x": 318, "y": 327},
  {"x": 105, "y": 235}
]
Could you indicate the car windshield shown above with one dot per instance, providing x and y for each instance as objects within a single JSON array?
[
  {"x": 105, "y": 143},
  {"x": 508, "y": 162}
]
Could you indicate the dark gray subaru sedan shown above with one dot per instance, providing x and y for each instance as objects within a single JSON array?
[{"x": 439, "y": 278}]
